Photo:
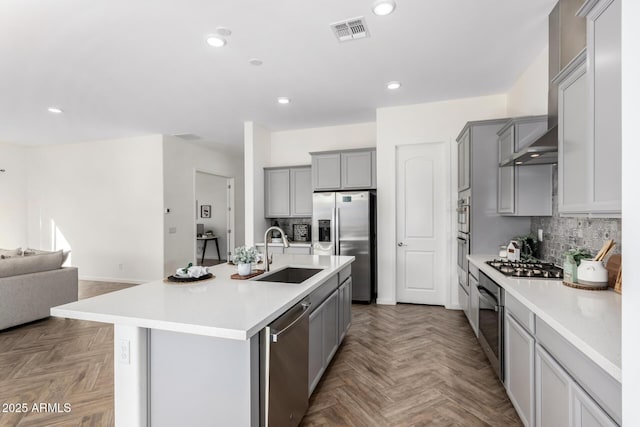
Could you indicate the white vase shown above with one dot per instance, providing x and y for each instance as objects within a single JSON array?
[{"x": 244, "y": 269}]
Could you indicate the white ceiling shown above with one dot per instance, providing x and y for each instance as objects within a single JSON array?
[{"x": 130, "y": 67}]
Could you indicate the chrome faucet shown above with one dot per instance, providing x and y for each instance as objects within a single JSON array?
[{"x": 285, "y": 242}]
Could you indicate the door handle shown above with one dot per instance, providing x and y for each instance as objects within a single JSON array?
[{"x": 402, "y": 244}]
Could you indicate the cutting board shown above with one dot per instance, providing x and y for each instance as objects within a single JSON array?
[{"x": 613, "y": 266}]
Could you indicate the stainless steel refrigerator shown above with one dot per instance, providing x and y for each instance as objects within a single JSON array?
[{"x": 344, "y": 223}]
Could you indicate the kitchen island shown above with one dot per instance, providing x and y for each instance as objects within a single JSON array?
[{"x": 188, "y": 354}]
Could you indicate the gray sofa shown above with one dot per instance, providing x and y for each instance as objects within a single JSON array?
[{"x": 31, "y": 285}]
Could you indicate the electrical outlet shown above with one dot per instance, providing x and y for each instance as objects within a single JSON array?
[
  {"x": 121, "y": 267},
  {"x": 124, "y": 351},
  {"x": 540, "y": 235}
]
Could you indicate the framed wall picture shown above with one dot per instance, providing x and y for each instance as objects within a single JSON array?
[{"x": 205, "y": 211}]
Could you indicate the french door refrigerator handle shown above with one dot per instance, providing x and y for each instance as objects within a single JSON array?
[
  {"x": 337, "y": 231},
  {"x": 334, "y": 230}
]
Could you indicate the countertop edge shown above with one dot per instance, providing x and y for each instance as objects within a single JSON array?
[{"x": 608, "y": 366}]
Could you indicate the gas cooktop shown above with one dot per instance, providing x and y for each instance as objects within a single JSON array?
[{"x": 527, "y": 270}]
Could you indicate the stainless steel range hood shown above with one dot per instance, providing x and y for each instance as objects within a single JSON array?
[
  {"x": 562, "y": 47},
  {"x": 542, "y": 151}
]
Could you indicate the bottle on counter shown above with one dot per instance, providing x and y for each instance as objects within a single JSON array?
[{"x": 570, "y": 269}]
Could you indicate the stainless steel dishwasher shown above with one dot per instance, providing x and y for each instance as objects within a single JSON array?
[{"x": 285, "y": 368}]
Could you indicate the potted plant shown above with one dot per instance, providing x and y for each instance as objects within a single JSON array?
[{"x": 243, "y": 257}]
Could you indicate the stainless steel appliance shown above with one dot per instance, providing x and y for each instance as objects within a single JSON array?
[
  {"x": 527, "y": 270},
  {"x": 285, "y": 374},
  {"x": 463, "y": 210},
  {"x": 463, "y": 264},
  {"x": 491, "y": 322},
  {"x": 344, "y": 223}
]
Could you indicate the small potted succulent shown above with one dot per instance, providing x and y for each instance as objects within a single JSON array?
[{"x": 243, "y": 257}]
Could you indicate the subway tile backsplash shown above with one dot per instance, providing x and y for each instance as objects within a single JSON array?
[{"x": 564, "y": 233}]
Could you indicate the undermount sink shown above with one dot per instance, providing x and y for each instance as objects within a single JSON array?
[{"x": 290, "y": 275}]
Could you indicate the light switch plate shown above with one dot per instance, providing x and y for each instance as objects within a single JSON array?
[{"x": 124, "y": 351}]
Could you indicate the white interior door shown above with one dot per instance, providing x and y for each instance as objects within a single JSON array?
[{"x": 421, "y": 201}]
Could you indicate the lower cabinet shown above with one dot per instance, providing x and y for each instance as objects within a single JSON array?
[
  {"x": 519, "y": 379},
  {"x": 463, "y": 300},
  {"x": 328, "y": 324},
  {"x": 553, "y": 392},
  {"x": 561, "y": 401},
  {"x": 344, "y": 312},
  {"x": 474, "y": 304}
]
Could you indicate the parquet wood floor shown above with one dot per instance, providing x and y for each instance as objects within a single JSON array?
[
  {"x": 400, "y": 365},
  {"x": 410, "y": 365}
]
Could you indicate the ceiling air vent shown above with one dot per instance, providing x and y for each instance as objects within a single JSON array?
[{"x": 351, "y": 29}]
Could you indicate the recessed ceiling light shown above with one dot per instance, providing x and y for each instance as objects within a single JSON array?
[
  {"x": 255, "y": 61},
  {"x": 284, "y": 100},
  {"x": 216, "y": 41},
  {"x": 223, "y": 31},
  {"x": 393, "y": 85},
  {"x": 518, "y": 163},
  {"x": 54, "y": 110},
  {"x": 383, "y": 7},
  {"x": 535, "y": 155}
]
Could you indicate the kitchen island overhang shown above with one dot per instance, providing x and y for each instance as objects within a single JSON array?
[{"x": 189, "y": 354}]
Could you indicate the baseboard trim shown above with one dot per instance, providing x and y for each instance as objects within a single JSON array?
[
  {"x": 384, "y": 301},
  {"x": 114, "y": 280}
]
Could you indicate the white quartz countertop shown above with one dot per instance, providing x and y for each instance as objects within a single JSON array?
[
  {"x": 590, "y": 320},
  {"x": 219, "y": 307},
  {"x": 292, "y": 244}
]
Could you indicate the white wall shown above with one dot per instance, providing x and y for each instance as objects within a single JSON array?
[
  {"x": 528, "y": 95},
  {"x": 257, "y": 149},
  {"x": 415, "y": 124},
  {"x": 13, "y": 196},
  {"x": 630, "y": 209},
  {"x": 212, "y": 190},
  {"x": 292, "y": 147},
  {"x": 181, "y": 160},
  {"x": 102, "y": 199}
]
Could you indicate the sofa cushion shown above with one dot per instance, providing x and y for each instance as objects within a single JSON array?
[
  {"x": 11, "y": 252},
  {"x": 30, "y": 264},
  {"x": 29, "y": 252}
]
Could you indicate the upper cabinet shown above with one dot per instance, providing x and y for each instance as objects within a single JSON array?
[
  {"x": 589, "y": 128},
  {"x": 523, "y": 190},
  {"x": 464, "y": 161},
  {"x": 344, "y": 170},
  {"x": 287, "y": 192}
]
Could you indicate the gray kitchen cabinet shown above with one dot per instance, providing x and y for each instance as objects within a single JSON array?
[
  {"x": 553, "y": 391},
  {"x": 316, "y": 359},
  {"x": 589, "y": 104},
  {"x": 301, "y": 192},
  {"x": 574, "y": 155},
  {"x": 356, "y": 170},
  {"x": 523, "y": 190},
  {"x": 586, "y": 412},
  {"x": 326, "y": 171},
  {"x": 288, "y": 192},
  {"x": 463, "y": 300},
  {"x": 464, "y": 161},
  {"x": 344, "y": 170},
  {"x": 328, "y": 324},
  {"x": 330, "y": 337},
  {"x": 277, "y": 197},
  {"x": 344, "y": 308},
  {"x": 474, "y": 304},
  {"x": 519, "y": 363}
]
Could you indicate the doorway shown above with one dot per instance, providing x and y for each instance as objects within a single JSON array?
[
  {"x": 214, "y": 213},
  {"x": 421, "y": 215}
]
